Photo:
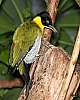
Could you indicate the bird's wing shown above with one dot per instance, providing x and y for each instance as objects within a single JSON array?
[
  {"x": 31, "y": 56},
  {"x": 23, "y": 39}
]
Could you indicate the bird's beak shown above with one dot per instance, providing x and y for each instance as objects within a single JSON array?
[
  {"x": 37, "y": 20},
  {"x": 51, "y": 28}
]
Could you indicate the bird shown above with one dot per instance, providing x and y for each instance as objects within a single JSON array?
[{"x": 26, "y": 44}]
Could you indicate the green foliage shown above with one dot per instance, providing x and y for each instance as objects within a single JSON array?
[
  {"x": 67, "y": 22},
  {"x": 69, "y": 18},
  {"x": 1, "y": 1},
  {"x": 10, "y": 94},
  {"x": 76, "y": 98},
  {"x": 12, "y": 14}
]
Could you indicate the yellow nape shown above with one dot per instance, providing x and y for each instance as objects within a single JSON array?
[{"x": 37, "y": 20}]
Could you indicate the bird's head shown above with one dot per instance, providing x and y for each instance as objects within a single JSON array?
[{"x": 43, "y": 20}]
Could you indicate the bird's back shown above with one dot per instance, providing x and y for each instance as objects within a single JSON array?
[{"x": 23, "y": 39}]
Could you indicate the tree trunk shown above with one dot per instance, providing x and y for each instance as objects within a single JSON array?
[
  {"x": 51, "y": 71},
  {"x": 52, "y": 68}
]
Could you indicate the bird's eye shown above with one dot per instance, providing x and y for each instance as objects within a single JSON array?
[{"x": 46, "y": 21}]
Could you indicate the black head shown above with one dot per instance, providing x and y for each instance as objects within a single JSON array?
[{"x": 45, "y": 18}]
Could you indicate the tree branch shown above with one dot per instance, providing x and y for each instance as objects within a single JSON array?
[
  {"x": 11, "y": 83},
  {"x": 71, "y": 68},
  {"x": 18, "y": 11},
  {"x": 53, "y": 4},
  {"x": 52, "y": 9}
]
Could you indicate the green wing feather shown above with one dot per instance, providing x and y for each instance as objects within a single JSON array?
[{"x": 23, "y": 39}]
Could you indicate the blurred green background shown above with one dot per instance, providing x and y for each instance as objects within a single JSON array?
[{"x": 15, "y": 12}]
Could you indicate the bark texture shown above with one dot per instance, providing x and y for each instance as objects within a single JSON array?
[{"x": 52, "y": 69}]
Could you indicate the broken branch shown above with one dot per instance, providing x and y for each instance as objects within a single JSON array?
[
  {"x": 71, "y": 67},
  {"x": 11, "y": 83}
]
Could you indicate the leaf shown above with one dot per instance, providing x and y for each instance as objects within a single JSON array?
[
  {"x": 11, "y": 94},
  {"x": 4, "y": 57},
  {"x": 65, "y": 37},
  {"x": 3, "y": 69},
  {"x": 9, "y": 9},
  {"x": 68, "y": 14},
  {"x": 6, "y": 23},
  {"x": 9, "y": 16},
  {"x": 6, "y": 39},
  {"x": 76, "y": 98},
  {"x": 65, "y": 40},
  {"x": 1, "y": 1},
  {"x": 65, "y": 5},
  {"x": 70, "y": 18},
  {"x": 2, "y": 92},
  {"x": 71, "y": 32}
]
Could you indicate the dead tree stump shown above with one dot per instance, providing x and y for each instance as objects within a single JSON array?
[{"x": 51, "y": 71}]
